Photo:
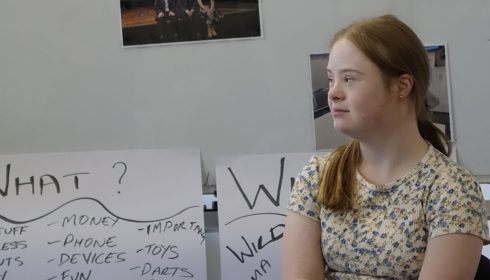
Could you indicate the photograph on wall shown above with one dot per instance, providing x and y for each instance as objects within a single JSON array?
[
  {"x": 438, "y": 98},
  {"x": 154, "y": 22}
]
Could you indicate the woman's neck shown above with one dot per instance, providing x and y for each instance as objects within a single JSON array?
[{"x": 387, "y": 158}]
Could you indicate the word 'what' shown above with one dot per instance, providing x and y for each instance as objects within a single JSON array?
[{"x": 44, "y": 181}]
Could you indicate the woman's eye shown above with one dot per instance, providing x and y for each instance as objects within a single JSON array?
[
  {"x": 330, "y": 81},
  {"x": 348, "y": 79}
]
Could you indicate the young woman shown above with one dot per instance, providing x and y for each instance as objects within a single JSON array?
[{"x": 389, "y": 205}]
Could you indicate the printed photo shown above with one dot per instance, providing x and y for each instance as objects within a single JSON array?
[
  {"x": 438, "y": 101},
  {"x": 152, "y": 22}
]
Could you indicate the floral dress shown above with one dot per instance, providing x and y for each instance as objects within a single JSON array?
[{"x": 385, "y": 235}]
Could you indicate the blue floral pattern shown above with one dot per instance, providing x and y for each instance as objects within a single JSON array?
[{"x": 385, "y": 235}]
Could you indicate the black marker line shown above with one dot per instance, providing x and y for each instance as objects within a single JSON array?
[
  {"x": 256, "y": 214},
  {"x": 101, "y": 205},
  {"x": 134, "y": 268},
  {"x": 74, "y": 174},
  {"x": 50, "y": 224},
  {"x": 52, "y": 242},
  {"x": 54, "y": 277}
]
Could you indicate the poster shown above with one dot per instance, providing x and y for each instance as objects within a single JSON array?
[
  {"x": 438, "y": 99},
  {"x": 102, "y": 215},
  {"x": 253, "y": 195}
]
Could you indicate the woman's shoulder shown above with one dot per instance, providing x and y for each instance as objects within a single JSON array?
[
  {"x": 448, "y": 171},
  {"x": 319, "y": 160},
  {"x": 311, "y": 171}
]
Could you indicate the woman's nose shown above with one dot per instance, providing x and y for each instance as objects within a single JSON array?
[{"x": 334, "y": 93}]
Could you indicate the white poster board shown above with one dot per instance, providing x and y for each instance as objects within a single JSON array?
[
  {"x": 253, "y": 194},
  {"x": 102, "y": 215}
]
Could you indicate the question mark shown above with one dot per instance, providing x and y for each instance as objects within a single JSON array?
[{"x": 124, "y": 172}]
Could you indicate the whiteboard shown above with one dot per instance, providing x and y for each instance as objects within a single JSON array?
[
  {"x": 253, "y": 194},
  {"x": 133, "y": 214}
]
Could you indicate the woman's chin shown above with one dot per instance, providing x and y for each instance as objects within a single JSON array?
[{"x": 342, "y": 129}]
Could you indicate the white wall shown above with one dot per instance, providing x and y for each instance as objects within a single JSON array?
[{"x": 66, "y": 83}]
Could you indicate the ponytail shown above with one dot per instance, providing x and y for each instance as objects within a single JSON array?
[
  {"x": 435, "y": 136},
  {"x": 338, "y": 179}
]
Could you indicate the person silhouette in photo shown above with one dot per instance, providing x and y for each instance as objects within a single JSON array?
[
  {"x": 164, "y": 8},
  {"x": 210, "y": 16},
  {"x": 190, "y": 23},
  {"x": 167, "y": 20}
]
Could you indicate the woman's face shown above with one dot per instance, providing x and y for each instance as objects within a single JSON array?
[{"x": 361, "y": 103}]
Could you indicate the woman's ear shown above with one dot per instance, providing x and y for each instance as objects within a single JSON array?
[{"x": 403, "y": 85}]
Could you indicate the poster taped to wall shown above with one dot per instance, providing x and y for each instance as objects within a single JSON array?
[
  {"x": 134, "y": 214},
  {"x": 253, "y": 195},
  {"x": 438, "y": 100},
  {"x": 155, "y": 22}
]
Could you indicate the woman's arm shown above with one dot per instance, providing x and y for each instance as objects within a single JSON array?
[
  {"x": 302, "y": 253},
  {"x": 451, "y": 256}
]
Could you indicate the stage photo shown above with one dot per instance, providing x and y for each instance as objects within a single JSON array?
[{"x": 151, "y": 22}]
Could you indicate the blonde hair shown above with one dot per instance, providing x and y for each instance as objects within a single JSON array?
[{"x": 396, "y": 50}]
